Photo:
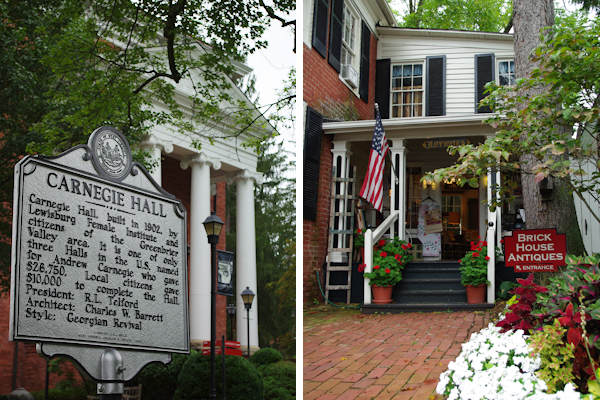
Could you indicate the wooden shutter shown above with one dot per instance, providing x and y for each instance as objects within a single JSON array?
[
  {"x": 484, "y": 73},
  {"x": 365, "y": 52},
  {"x": 382, "y": 86},
  {"x": 436, "y": 86},
  {"x": 319, "y": 34},
  {"x": 312, "y": 159},
  {"x": 336, "y": 25}
]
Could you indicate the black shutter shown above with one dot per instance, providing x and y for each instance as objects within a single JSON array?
[
  {"x": 436, "y": 86},
  {"x": 319, "y": 38},
  {"x": 312, "y": 159},
  {"x": 382, "y": 87},
  {"x": 484, "y": 73},
  {"x": 336, "y": 25},
  {"x": 365, "y": 52}
]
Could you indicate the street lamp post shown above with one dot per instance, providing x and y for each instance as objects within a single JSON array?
[
  {"x": 212, "y": 225},
  {"x": 248, "y": 298}
]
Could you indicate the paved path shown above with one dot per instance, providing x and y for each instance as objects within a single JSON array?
[{"x": 348, "y": 355}]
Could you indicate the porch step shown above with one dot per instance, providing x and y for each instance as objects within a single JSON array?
[
  {"x": 424, "y": 296},
  {"x": 422, "y": 307},
  {"x": 428, "y": 273},
  {"x": 426, "y": 283},
  {"x": 434, "y": 283}
]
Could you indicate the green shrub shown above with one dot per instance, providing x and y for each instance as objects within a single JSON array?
[
  {"x": 556, "y": 355},
  {"x": 159, "y": 381},
  {"x": 279, "y": 380},
  {"x": 242, "y": 379},
  {"x": 62, "y": 393},
  {"x": 268, "y": 355},
  {"x": 504, "y": 290}
]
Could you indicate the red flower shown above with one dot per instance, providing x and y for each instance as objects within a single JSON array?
[
  {"x": 381, "y": 242},
  {"x": 383, "y": 254},
  {"x": 409, "y": 246},
  {"x": 376, "y": 267},
  {"x": 387, "y": 271},
  {"x": 487, "y": 258},
  {"x": 476, "y": 255},
  {"x": 460, "y": 260},
  {"x": 361, "y": 267},
  {"x": 404, "y": 247},
  {"x": 359, "y": 230},
  {"x": 484, "y": 243},
  {"x": 398, "y": 257},
  {"x": 501, "y": 240}
]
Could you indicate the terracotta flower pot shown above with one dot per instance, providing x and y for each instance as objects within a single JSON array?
[
  {"x": 476, "y": 294},
  {"x": 382, "y": 294}
]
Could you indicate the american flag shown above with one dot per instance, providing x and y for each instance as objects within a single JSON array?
[{"x": 372, "y": 188}]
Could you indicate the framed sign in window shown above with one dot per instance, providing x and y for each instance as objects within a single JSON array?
[{"x": 225, "y": 272}]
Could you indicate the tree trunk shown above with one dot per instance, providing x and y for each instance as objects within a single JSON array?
[{"x": 530, "y": 17}]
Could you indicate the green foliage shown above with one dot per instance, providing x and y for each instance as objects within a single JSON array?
[
  {"x": 389, "y": 259},
  {"x": 242, "y": 379},
  {"x": 266, "y": 356},
  {"x": 473, "y": 266},
  {"x": 544, "y": 125},
  {"x": 481, "y": 15},
  {"x": 556, "y": 356},
  {"x": 504, "y": 290},
  {"x": 279, "y": 380},
  {"x": 159, "y": 381},
  {"x": 68, "y": 392}
]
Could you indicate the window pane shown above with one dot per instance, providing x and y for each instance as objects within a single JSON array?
[
  {"x": 395, "y": 110},
  {"x": 418, "y": 97},
  {"x": 512, "y": 67},
  {"x": 396, "y": 83},
  {"x": 503, "y": 67},
  {"x": 396, "y": 98},
  {"x": 418, "y": 110},
  {"x": 406, "y": 111},
  {"x": 396, "y": 71},
  {"x": 503, "y": 80},
  {"x": 418, "y": 83},
  {"x": 512, "y": 80},
  {"x": 418, "y": 70},
  {"x": 406, "y": 83},
  {"x": 407, "y": 70}
]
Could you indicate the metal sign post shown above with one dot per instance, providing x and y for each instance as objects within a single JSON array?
[{"x": 99, "y": 261}]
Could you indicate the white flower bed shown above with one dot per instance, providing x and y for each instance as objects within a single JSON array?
[{"x": 494, "y": 365}]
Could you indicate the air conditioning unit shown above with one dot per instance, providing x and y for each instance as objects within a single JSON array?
[{"x": 350, "y": 75}]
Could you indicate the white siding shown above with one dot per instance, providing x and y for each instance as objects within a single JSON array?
[
  {"x": 307, "y": 21},
  {"x": 591, "y": 235},
  {"x": 460, "y": 61}
]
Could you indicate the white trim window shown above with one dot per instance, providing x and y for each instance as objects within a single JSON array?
[
  {"x": 506, "y": 73},
  {"x": 349, "y": 35},
  {"x": 407, "y": 90}
]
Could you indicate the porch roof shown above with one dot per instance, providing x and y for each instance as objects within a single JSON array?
[{"x": 420, "y": 127}]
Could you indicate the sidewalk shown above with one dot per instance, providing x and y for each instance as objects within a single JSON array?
[{"x": 348, "y": 355}]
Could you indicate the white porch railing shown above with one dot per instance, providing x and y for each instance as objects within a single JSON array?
[{"x": 372, "y": 236}]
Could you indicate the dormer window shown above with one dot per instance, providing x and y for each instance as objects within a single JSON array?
[
  {"x": 407, "y": 90},
  {"x": 506, "y": 73}
]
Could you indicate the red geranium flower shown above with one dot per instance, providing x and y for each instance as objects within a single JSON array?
[
  {"x": 487, "y": 258},
  {"x": 376, "y": 267},
  {"x": 387, "y": 271},
  {"x": 475, "y": 255},
  {"x": 404, "y": 247},
  {"x": 361, "y": 267},
  {"x": 359, "y": 230},
  {"x": 485, "y": 243},
  {"x": 383, "y": 254},
  {"x": 381, "y": 242},
  {"x": 409, "y": 246},
  {"x": 398, "y": 257}
]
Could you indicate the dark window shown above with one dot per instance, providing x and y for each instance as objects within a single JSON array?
[
  {"x": 382, "y": 87},
  {"x": 365, "y": 52},
  {"x": 319, "y": 39},
  {"x": 484, "y": 73},
  {"x": 436, "y": 86},
  {"x": 312, "y": 157},
  {"x": 335, "y": 33}
]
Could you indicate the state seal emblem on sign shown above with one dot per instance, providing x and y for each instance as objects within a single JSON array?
[{"x": 111, "y": 155}]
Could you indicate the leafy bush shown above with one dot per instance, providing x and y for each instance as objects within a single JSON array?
[
  {"x": 505, "y": 289},
  {"x": 159, "y": 381},
  {"x": 279, "y": 380},
  {"x": 556, "y": 356},
  {"x": 268, "y": 355},
  {"x": 242, "y": 379},
  {"x": 520, "y": 315},
  {"x": 75, "y": 392},
  {"x": 473, "y": 266}
]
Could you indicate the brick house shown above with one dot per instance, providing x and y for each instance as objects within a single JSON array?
[
  {"x": 427, "y": 84},
  {"x": 199, "y": 179}
]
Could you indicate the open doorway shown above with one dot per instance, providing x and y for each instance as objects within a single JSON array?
[{"x": 460, "y": 220}]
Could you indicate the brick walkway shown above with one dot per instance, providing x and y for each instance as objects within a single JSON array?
[{"x": 348, "y": 355}]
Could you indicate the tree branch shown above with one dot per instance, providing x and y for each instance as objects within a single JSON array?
[
  {"x": 509, "y": 25},
  {"x": 169, "y": 33},
  {"x": 271, "y": 13}
]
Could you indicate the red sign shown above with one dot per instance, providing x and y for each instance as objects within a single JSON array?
[{"x": 535, "y": 250}]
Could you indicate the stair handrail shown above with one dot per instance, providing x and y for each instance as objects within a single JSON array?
[{"x": 372, "y": 236}]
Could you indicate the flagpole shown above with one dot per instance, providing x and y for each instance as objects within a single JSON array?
[{"x": 388, "y": 153}]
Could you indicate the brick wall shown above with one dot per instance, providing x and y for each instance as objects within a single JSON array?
[{"x": 327, "y": 94}]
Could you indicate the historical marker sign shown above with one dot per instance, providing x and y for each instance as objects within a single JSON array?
[
  {"x": 99, "y": 251},
  {"x": 535, "y": 250}
]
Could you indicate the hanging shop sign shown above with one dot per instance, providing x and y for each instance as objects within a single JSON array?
[
  {"x": 445, "y": 143},
  {"x": 225, "y": 272},
  {"x": 535, "y": 250},
  {"x": 99, "y": 252}
]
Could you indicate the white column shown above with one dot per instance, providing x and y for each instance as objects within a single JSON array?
[
  {"x": 199, "y": 247},
  {"x": 341, "y": 149},
  {"x": 398, "y": 185},
  {"x": 155, "y": 147},
  {"x": 491, "y": 239},
  {"x": 246, "y": 257}
]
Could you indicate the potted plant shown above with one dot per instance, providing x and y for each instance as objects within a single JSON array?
[
  {"x": 473, "y": 272},
  {"x": 389, "y": 259}
]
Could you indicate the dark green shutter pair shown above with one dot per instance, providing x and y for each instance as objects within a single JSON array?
[
  {"x": 336, "y": 26},
  {"x": 484, "y": 73},
  {"x": 435, "y": 96},
  {"x": 312, "y": 154}
]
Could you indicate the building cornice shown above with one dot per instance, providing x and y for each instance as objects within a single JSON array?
[{"x": 395, "y": 31}]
